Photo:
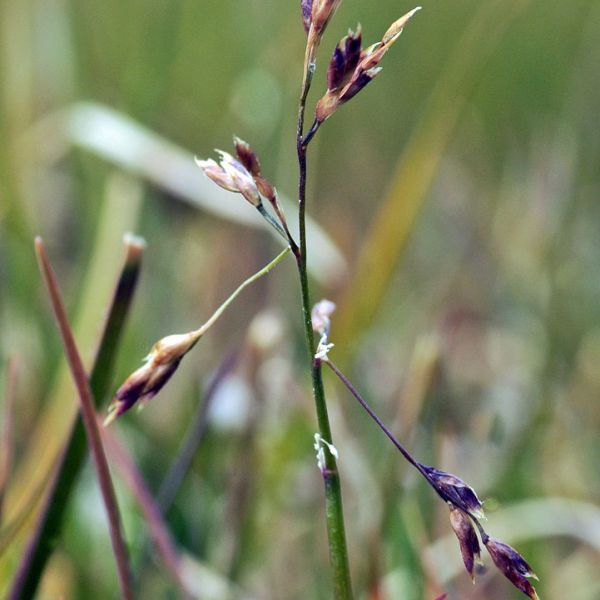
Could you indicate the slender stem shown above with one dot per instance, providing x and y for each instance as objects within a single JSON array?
[
  {"x": 49, "y": 524},
  {"x": 203, "y": 328},
  {"x": 281, "y": 216},
  {"x": 484, "y": 536},
  {"x": 89, "y": 419},
  {"x": 311, "y": 132},
  {"x": 334, "y": 513},
  {"x": 269, "y": 219},
  {"x": 407, "y": 455}
]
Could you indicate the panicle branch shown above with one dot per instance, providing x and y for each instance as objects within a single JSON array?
[
  {"x": 166, "y": 355},
  {"x": 243, "y": 175},
  {"x": 466, "y": 510},
  {"x": 352, "y": 68}
]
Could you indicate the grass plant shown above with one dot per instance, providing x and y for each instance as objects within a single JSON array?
[{"x": 447, "y": 209}]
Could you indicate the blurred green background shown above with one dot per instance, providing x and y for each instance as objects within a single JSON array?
[{"x": 459, "y": 199}]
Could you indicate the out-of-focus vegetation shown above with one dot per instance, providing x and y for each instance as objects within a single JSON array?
[{"x": 461, "y": 189}]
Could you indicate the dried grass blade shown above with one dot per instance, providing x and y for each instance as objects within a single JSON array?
[{"x": 181, "y": 465}]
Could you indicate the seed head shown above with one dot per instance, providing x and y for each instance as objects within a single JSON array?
[
  {"x": 144, "y": 383},
  {"x": 246, "y": 155},
  {"x": 306, "y": 8},
  {"x": 321, "y": 13},
  {"x": 231, "y": 175},
  {"x": 513, "y": 566},
  {"x": 351, "y": 68},
  {"x": 454, "y": 490},
  {"x": 467, "y": 538},
  {"x": 344, "y": 60},
  {"x": 249, "y": 159}
]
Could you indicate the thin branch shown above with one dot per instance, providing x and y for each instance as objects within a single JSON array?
[
  {"x": 267, "y": 216},
  {"x": 166, "y": 354},
  {"x": 266, "y": 269},
  {"x": 281, "y": 216},
  {"x": 311, "y": 133},
  {"x": 89, "y": 419},
  {"x": 407, "y": 455}
]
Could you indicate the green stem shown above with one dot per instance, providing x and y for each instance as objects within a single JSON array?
[
  {"x": 334, "y": 513},
  {"x": 202, "y": 329}
]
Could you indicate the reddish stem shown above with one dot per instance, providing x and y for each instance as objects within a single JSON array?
[{"x": 89, "y": 419}]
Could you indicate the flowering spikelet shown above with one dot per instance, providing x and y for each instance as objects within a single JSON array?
[
  {"x": 467, "y": 538},
  {"x": 249, "y": 160},
  {"x": 454, "y": 490},
  {"x": 344, "y": 60},
  {"x": 513, "y": 566},
  {"x": 318, "y": 13},
  {"x": 232, "y": 175},
  {"x": 144, "y": 383},
  {"x": 352, "y": 68},
  {"x": 306, "y": 9}
]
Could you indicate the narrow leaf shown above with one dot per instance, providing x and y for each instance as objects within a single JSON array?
[
  {"x": 49, "y": 525},
  {"x": 88, "y": 414}
]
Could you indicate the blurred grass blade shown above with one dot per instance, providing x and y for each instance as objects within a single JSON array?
[
  {"x": 50, "y": 521},
  {"x": 206, "y": 582},
  {"x": 47, "y": 439},
  {"x": 122, "y": 141},
  {"x": 88, "y": 414},
  {"x": 185, "y": 456},
  {"x": 148, "y": 505},
  {"x": 415, "y": 172},
  {"x": 182, "y": 463},
  {"x": 7, "y": 440},
  {"x": 11, "y": 529}
]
